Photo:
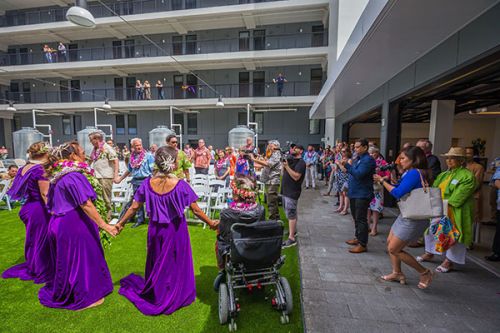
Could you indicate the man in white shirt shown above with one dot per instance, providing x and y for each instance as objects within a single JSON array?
[{"x": 105, "y": 163}]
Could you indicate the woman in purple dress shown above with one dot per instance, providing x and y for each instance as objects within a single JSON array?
[
  {"x": 81, "y": 278},
  {"x": 30, "y": 184},
  {"x": 169, "y": 282}
]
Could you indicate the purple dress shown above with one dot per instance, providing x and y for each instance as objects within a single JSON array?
[
  {"x": 81, "y": 275},
  {"x": 36, "y": 219},
  {"x": 169, "y": 277}
]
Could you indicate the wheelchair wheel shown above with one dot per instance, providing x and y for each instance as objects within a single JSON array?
[
  {"x": 218, "y": 280},
  {"x": 223, "y": 304},
  {"x": 288, "y": 294}
]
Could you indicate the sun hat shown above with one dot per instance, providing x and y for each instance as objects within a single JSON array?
[{"x": 455, "y": 152}]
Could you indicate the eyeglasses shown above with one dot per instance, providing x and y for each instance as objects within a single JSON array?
[{"x": 173, "y": 142}]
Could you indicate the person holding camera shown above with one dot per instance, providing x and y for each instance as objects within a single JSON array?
[
  {"x": 270, "y": 176},
  {"x": 294, "y": 171}
]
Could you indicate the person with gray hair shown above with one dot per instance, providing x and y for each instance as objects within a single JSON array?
[
  {"x": 104, "y": 160},
  {"x": 432, "y": 160},
  {"x": 271, "y": 174},
  {"x": 140, "y": 167}
]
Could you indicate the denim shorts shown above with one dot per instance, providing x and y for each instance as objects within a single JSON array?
[{"x": 290, "y": 207}]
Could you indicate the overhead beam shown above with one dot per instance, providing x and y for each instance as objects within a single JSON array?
[
  {"x": 64, "y": 76},
  {"x": 249, "y": 66},
  {"x": 118, "y": 72},
  {"x": 115, "y": 32},
  {"x": 249, "y": 20},
  {"x": 60, "y": 37},
  {"x": 5, "y": 82},
  {"x": 178, "y": 27},
  {"x": 62, "y": 3}
]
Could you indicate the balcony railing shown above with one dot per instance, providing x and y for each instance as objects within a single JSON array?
[
  {"x": 269, "y": 42},
  {"x": 131, "y": 7},
  {"x": 269, "y": 89}
]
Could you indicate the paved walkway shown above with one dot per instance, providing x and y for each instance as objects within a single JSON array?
[{"x": 342, "y": 292}]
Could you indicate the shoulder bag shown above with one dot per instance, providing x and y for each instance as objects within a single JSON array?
[{"x": 422, "y": 203}]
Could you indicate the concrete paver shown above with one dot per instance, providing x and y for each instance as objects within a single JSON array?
[{"x": 342, "y": 292}]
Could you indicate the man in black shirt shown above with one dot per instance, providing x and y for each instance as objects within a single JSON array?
[
  {"x": 432, "y": 160},
  {"x": 291, "y": 187}
]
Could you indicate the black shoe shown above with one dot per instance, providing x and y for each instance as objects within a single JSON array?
[
  {"x": 136, "y": 224},
  {"x": 288, "y": 243},
  {"x": 493, "y": 257}
]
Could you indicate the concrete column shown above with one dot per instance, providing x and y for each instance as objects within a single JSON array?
[
  {"x": 390, "y": 130},
  {"x": 496, "y": 146},
  {"x": 441, "y": 126},
  {"x": 7, "y": 132},
  {"x": 329, "y": 131}
]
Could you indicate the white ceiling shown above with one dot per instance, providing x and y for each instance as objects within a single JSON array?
[
  {"x": 403, "y": 32},
  {"x": 180, "y": 21}
]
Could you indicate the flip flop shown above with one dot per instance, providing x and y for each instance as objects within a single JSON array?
[{"x": 442, "y": 269}]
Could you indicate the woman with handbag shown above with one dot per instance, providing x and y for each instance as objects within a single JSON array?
[
  {"x": 403, "y": 231},
  {"x": 457, "y": 186}
]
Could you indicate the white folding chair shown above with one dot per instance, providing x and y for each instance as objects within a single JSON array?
[
  {"x": 221, "y": 200},
  {"x": 120, "y": 196},
  {"x": 203, "y": 193},
  {"x": 4, "y": 187},
  {"x": 19, "y": 162},
  {"x": 199, "y": 182}
]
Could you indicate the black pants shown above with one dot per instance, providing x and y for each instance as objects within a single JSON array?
[
  {"x": 359, "y": 210},
  {"x": 203, "y": 171},
  {"x": 496, "y": 240}
]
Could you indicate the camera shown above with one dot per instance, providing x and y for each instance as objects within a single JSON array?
[
  {"x": 388, "y": 167},
  {"x": 285, "y": 152},
  {"x": 246, "y": 153}
]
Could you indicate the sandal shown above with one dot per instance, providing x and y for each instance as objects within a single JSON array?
[
  {"x": 394, "y": 277},
  {"x": 344, "y": 212},
  {"x": 373, "y": 234},
  {"x": 425, "y": 285},
  {"x": 424, "y": 257},
  {"x": 443, "y": 269}
]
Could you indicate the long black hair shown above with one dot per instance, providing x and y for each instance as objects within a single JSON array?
[{"x": 418, "y": 161}]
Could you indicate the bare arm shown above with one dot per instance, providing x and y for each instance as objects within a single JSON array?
[
  {"x": 116, "y": 168},
  {"x": 295, "y": 175},
  {"x": 202, "y": 216},
  {"x": 128, "y": 214},
  {"x": 120, "y": 179},
  {"x": 43, "y": 185},
  {"x": 89, "y": 209},
  {"x": 497, "y": 183}
]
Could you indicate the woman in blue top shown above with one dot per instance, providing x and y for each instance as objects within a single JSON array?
[{"x": 403, "y": 231}]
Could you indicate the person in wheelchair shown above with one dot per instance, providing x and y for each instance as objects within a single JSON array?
[{"x": 243, "y": 209}]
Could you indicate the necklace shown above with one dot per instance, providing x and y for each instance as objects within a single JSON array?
[
  {"x": 136, "y": 161},
  {"x": 97, "y": 152}
]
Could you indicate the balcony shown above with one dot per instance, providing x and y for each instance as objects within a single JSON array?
[
  {"x": 248, "y": 16},
  {"x": 269, "y": 42},
  {"x": 131, "y": 7},
  {"x": 260, "y": 89}
]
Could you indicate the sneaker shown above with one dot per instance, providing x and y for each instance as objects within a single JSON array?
[{"x": 288, "y": 243}]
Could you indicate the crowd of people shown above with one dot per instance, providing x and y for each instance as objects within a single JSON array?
[
  {"x": 66, "y": 200},
  {"x": 57, "y": 54}
]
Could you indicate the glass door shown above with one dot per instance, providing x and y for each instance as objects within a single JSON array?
[
  {"x": 316, "y": 81},
  {"x": 130, "y": 84},
  {"x": 129, "y": 47},
  {"x": 259, "y": 40},
  {"x": 117, "y": 49},
  {"x": 259, "y": 84},
  {"x": 244, "y": 84},
  {"x": 192, "y": 86},
  {"x": 63, "y": 91},
  {"x": 75, "y": 91},
  {"x": 118, "y": 84},
  {"x": 178, "y": 84},
  {"x": 244, "y": 40}
]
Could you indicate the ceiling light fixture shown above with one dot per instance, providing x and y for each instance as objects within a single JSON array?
[{"x": 79, "y": 15}]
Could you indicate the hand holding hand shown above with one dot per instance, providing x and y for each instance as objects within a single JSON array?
[
  {"x": 117, "y": 180},
  {"x": 377, "y": 178},
  {"x": 120, "y": 226},
  {"x": 215, "y": 224},
  {"x": 111, "y": 229}
]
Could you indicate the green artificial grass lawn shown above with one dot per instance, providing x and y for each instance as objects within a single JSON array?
[{"x": 20, "y": 310}]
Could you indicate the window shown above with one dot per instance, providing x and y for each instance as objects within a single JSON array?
[
  {"x": 120, "y": 124},
  {"x": 242, "y": 118},
  {"x": 77, "y": 124},
  {"x": 244, "y": 42},
  {"x": 179, "y": 119},
  {"x": 314, "y": 126},
  {"x": 318, "y": 35},
  {"x": 177, "y": 45},
  {"x": 66, "y": 125},
  {"x": 191, "y": 44},
  {"x": 258, "y": 117},
  {"x": 192, "y": 120},
  {"x": 17, "y": 123},
  {"x": 259, "y": 40},
  {"x": 132, "y": 124}
]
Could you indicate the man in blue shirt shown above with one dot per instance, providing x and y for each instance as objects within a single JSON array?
[
  {"x": 360, "y": 193},
  {"x": 311, "y": 158},
  {"x": 140, "y": 167},
  {"x": 495, "y": 256},
  {"x": 280, "y": 83}
]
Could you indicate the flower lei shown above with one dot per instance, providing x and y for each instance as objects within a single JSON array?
[
  {"x": 221, "y": 161},
  {"x": 242, "y": 206},
  {"x": 241, "y": 192},
  {"x": 136, "y": 162},
  {"x": 98, "y": 152},
  {"x": 63, "y": 167}
]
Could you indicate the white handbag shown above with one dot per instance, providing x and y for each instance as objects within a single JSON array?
[{"x": 422, "y": 203}]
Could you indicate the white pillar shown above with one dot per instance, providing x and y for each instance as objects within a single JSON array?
[
  {"x": 441, "y": 127},
  {"x": 330, "y": 131}
]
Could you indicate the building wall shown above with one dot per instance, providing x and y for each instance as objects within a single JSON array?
[
  {"x": 457, "y": 50},
  {"x": 213, "y": 125},
  {"x": 464, "y": 132}
]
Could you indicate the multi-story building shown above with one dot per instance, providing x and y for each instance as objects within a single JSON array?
[{"x": 197, "y": 49}]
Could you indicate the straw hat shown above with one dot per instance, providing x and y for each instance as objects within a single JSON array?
[{"x": 455, "y": 152}]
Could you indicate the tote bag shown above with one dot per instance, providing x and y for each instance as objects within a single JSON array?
[{"x": 422, "y": 203}]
